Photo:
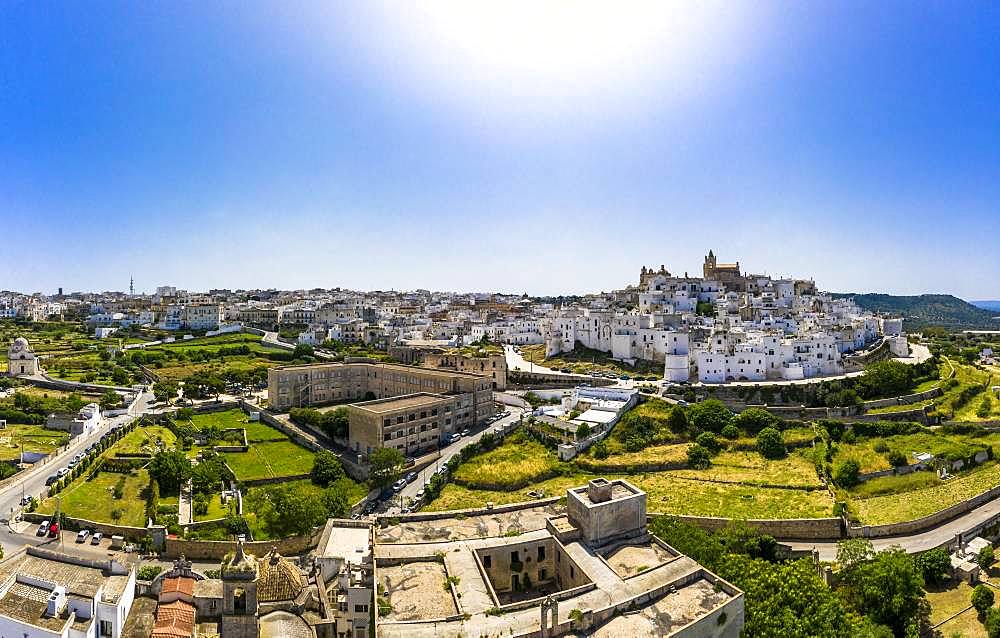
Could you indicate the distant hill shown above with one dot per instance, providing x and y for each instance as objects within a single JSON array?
[
  {"x": 920, "y": 311},
  {"x": 993, "y": 306}
]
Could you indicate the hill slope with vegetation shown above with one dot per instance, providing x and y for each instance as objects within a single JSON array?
[{"x": 921, "y": 311}]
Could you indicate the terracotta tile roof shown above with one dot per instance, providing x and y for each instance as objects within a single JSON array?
[
  {"x": 174, "y": 620},
  {"x": 179, "y": 584}
]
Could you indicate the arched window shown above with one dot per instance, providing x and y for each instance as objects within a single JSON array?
[{"x": 240, "y": 601}]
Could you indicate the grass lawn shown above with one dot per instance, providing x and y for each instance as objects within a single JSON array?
[
  {"x": 517, "y": 461},
  {"x": 93, "y": 500},
  {"x": 895, "y": 484},
  {"x": 752, "y": 468},
  {"x": 270, "y": 460},
  {"x": 35, "y": 438},
  {"x": 666, "y": 493},
  {"x": 966, "y": 625},
  {"x": 948, "y": 600},
  {"x": 215, "y": 509},
  {"x": 871, "y": 461},
  {"x": 257, "y": 431},
  {"x": 142, "y": 440},
  {"x": 676, "y": 453},
  {"x": 894, "y": 508}
]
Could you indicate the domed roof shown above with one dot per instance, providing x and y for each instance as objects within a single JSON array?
[
  {"x": 279, "y": 579},
  {"x": 20, "y": 344}
]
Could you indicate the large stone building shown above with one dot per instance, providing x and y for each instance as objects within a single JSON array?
[
  {"x": 399, "y": 406},
  {"x": 592, "y": 569}
]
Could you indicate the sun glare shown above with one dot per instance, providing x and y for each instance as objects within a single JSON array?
[{"x": 554, "y": 49}]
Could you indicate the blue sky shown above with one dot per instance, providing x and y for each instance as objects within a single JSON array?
[{"x": 525, "y": 148}]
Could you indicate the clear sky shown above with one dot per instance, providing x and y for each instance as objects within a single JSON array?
[{"x": 516, "y": 146}]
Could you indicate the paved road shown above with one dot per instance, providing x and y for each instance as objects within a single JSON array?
[
  {"x": 32, "y": 480},
  {"x": 410, "y": 491}
]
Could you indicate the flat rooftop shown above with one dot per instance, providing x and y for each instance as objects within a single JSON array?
[
  {"x": 349, "y": 543},
  {"x": 619, "y": 490},
  {"x": 405, "y": 402},
  {"x": 398, "y": 367}
]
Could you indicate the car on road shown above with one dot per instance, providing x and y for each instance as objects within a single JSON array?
[
  {"x": 682, "y": 403},
  {"x": 96, "y": 538},
  {"x": 412, "y": 476},
  {"x": 82, "y": 535},
  {"x": 43, "y": 528},
  {"x": 63, "y": 471},
  {"x": 52, "y": 479},
  {"x": 624, "y": 377},
  {"x": 443, "y": 469},
  {"x": 419, "y": 495},
  {"x": 25, "y": 501},
  {"x": 454, "y": 437},
  {"x": 398, "y": 485},
  {"x": 465, "y": 432}
]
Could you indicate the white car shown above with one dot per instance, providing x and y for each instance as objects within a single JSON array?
[
  {"x": 82, "y": 535},
  {"x": 419, "y": 495},
  {"x": 43, "y": 528},
  {"x": 63, "y": 471},
  {"x": 96, "y": 538}
]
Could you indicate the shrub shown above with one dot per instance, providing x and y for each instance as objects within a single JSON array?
[
  {"x": 771, "y": 444},
  {"x": 709, "y": 441},
  {"x": 148, "y": 572},
  {"x": 881, "y": 447},
  {"x": 753, "y": 420},
  {"x": 992, "y": 623},
  {"x": 896, "y": 458},
  {"x": 698, "y": 457},
  {"x": 731, "y": 432},
  {"x": 710, "y": 416},
  {"x": 982, "y": 598},
  {"x": 934, "y": 565},
  {"x": 985, "y": 557},
  {"x": 600, "y": 450},
  {"x": 846, "y": 473}
]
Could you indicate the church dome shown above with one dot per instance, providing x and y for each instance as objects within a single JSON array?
[
  {"x": 20, "y": 344},
  {"x": 279, "y": 579}
]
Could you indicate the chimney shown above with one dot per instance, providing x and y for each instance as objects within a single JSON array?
[
  {"x": 599, "y": 490},
  {"x": 57, "y": 601}
]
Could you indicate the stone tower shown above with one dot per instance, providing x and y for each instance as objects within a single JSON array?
[{"x": 239, "y": 595}]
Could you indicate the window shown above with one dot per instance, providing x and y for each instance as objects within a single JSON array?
[
  {"x": 487, "y": 561},
  {"x": 361, "y": 609},
  {"x": 107, "y": 628},
  {"x": 541, "y": 552},
  {"x": 541, "y": 574}
]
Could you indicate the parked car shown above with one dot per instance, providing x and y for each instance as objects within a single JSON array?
[
  {"x": 43, "y": 528},
  {"x": 412, "y": 476},
  {"x": 96, "y": 538},
  {"x": 73, "y": 462},
  {"x": 398, "y": 485},
  {"x": 63, "y": 471},
  {"x": 25, "y": 501},
  {"x": 82, "y": 535},
  {"x": 419, "y": 496},
  {"x": 52, "y": 479},
  {"x": 54, "y": 530}
]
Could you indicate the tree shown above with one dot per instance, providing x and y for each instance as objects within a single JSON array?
[
  {"x": 600, "y": 450},
  {"x": 302, "y": 351},
  {"x": 854, "y": 551},
  {"x": 170, "y": 469},
  {"x": 289, "y": 511},
  {"x": 326, "y": 468},
  {"x": 753, "y": 420},
  {"x": 677, "y": 421},
  {"x": 709, "y": 441},
  {"x": 934, "y": 565},
  {"x": 731, "y": 432},
  {"x": 992, "y": 622},
  {"x": 886, "y": 378},
  {"x": 985, "y": 557},
  {"x": 771, "y": 444},
  {"x": 336, "y": 498},
  {"x": 335, "y": 423},
  {"x": 710, "y": 416},
  {"x": 698, "y": 457},
  {"x": 110, "y": 400},
  {"x": 165, "y": 390},
  {"x": 582, "y": 431},
  {"x": 385, "y": 465},
  {"x": 846, "y": 473},
  {"x": 887, "y": 588},
  {"x": 982, "y": 599}
]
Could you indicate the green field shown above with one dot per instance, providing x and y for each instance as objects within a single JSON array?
[
  {"x": 93, "y": 499},
  {"x": 518, "y": 462},
  {"x": 937, "y": 444},
  {"x": 180, "y": 359},
  {"x": 145, "y": 440},
  {"x": 216, "y": 509},
  {"x": 906, "y": 506},
  {"x": 33, "y": 438},
  {"x": 270, "y": 460}
]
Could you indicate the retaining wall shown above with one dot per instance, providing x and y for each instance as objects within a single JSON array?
[
  {"x": 906, "y": 528},
  {"x": 216, "y": 550},
  {"x": 108, "y": 529},
  {"x": 478, "y": 511},
  {"x": 904, "y": 399},
  {"x": 783, "y": 529}
]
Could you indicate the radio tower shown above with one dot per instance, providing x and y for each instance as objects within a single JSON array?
[{"x": 131, "y": 286}]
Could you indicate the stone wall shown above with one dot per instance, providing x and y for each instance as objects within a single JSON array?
[
  {"x": 76, "y": 524},
  {"x": 782, "y": 529},
  {"x": 216, "y": 550},
  {"x": 904, "y": 399},
  {"x": 479, "y": 511},
  {"x": 927, "y": 522},
  {"x": 522, "y": 379}
]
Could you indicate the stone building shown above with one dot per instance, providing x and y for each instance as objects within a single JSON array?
[{"x": 21, "y": 359}]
